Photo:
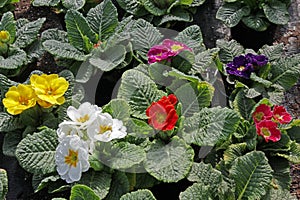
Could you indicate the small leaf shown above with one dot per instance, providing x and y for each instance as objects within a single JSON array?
[
  {"x": 273, "y": 52},
  {"x": 83, "y": 192},
  {"x": 36, "y": 153},
  {"x": 73, "y": 4},
  {"x": 119, "y": 109},
  {"x": 256, "y": 22},
  {"x": 153, "y": 9},
  {"x": 15, "y": 59},
  {"x": 139, "y": 194},
  {"x": 276, "y": 12},
  {"x": 232, "y": 13},
  {"x": 169, "y": 162},
  {"x": 8, "y": 122},
  {"x": 229, "y": 50}
]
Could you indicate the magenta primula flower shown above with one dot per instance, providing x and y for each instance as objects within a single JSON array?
[
  {"x": 262, "y": 112},
  {"x": 175, "y": 47},
  {"x": 280, "y": 115},
  {"x": 269, "y": 130}
]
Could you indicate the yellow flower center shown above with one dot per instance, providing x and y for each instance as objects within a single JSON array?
[
  {"x": 72, "y": 158},
  {"x": 241, "y": 68},
  {"x": 265, "y": 131},
  {"x": 23, "y": 101},
  {"x": 160, "y": 117},
  {"x": 176, "y": 47},
  {"x": 84, "y": 118},
  {"x": 279, "y": 117},
  {"x": 49, "y": 92},
  {"x": 104, "y": 128},
  {"x": 259, "y": 116}
]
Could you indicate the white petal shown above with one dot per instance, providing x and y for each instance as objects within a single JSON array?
[
  {"x": 73, "y": 114},
  {"x": 62, "y": 169},
  {"x": 75, "y": 172}
]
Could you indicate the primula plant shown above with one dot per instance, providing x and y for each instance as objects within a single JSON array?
[
  {"x": 64, "y": 5},
  {"x": 255, "y": 14}
]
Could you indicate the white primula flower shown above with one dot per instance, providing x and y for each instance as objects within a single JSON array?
[
  {"x": 105, "y": 128},
  {"x": 68, "y": 128},
  {"x": 85, "y": 114},
  {"x": 71, "y": 158}
]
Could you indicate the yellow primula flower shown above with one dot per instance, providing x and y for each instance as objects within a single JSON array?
[
  {"x": 19, "y": 98},
  {"x": 50, "y": 89}
]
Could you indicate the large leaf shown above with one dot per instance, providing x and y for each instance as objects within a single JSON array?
[
  {"x": 119, "y": 186},
  {"x": 232, "y": 13},
  {"x": 276, "y": 12},
  {"x": 178, "y": 15},
  {"x": 3, "y": 184},
  {"x": 108, "y": 59},
  {"x": 169, "y": 162},
  {"x": 45, "y": 2},
  {"x": 243, "y": 105},
  {"x": 54, "y": 34},
  {"x": 279, "y": 194},
  {"x": 8, "y": 23},
  {"x": 83, "y": 192},
  {"x": 139, "y": 91},
  {"x": 80, "y": 34},
  {"x": 139, "y": 194},
  {"x": 153, "y": 8},
  {"x": 256, "y": 22},
  {"x": 99, "y": 182},
  {"x": 229, "y": 49},
  {"x": 103, "y": 19},
  {"x": 204, "y": 61},
  {"x": 294, "y": 153},
  {"x": 119, "y": 109},
  {"x": 73, "y": 4},
  {"x": 252, "y": 175},
  {"x": 36, "y": 152},
  {"x": 28, "y": 33},
  {"x": 63, "y": 50},
  {"x": 210, "y": 126},
  {"x": 281, "y": 174},
  {"x": 196, "y": 191},
  {"x": 131, "y": 6},
  {"x": 234, "y": 151},
  {"x": 273, "y": 52}
]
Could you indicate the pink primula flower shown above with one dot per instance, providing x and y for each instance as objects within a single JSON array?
[
  {"x": 281, "y": 115},
  {"x": 269, "y": 130},
  {"x": 262, "y": 112}
]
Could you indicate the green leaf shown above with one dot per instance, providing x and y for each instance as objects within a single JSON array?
[
  {"x": 8, "y": 122},
  {"x": 204, "y": 61},
  {"x": 119, "y": 109},
  {"x": 3, "y": 184},
  {"x": 15, "y": 59},
  {"x": 177, "y": 15},
  {"x": 131, "y": 6},
  {"x": 139, "y": 194},
  {"x": 192, "y": 37},
  {"x": 206, "y": 175},
  {"x": 233, "y": 152},
  {"x": 39, "y": 182},
  {"x": 169, "y": 162},
  {"x": 276, "y": 12},
  {"x": 145, "y": 180},
  {"x": 232, "y": 13},
  {"x": 103, "y": 19},
  {"x": 229, "y": 50},
  {"x": 2, "y": 4},
  {"x": 45, "y": 2},
  {"x": 31, "y": 117},
  {"x": 243, "y": 105},
  {"x": 63, "y": 50},
  {"x": 54, "y": 34},
  {"x": 121, "y": 155},
  {"x": 118, "y": 187},
  {"x": 139, "y": 128},
  {"x": 73, "y": 4},
  {"x": 273, "y": 52},
  {"x": 252, "y": 175},
  {"x": 10, "y": 142},
  {"x": 279, "y": 194},
  {"x": 281, "y": 174},
  {"x": 256, "y": 22},
  {"x": 9, "y": 24},
  {"x": 183, "y": 61},
  {"x": 153, "y": 9},
  {"x": 108, "y": 59},
  {"x": 83, "y": 192},
  {"x": 85, "y": 72},
  {"x": 196, "y": 191},
  {"x": 141, "y": 41},
  {"x": 80, "y": 34},
  {"x": 36, "y": 152},
  {"x": 194, "y": 96},
  {"x": 28, "y": 33},
  {"x": 99, "y": 182},
  {"x": 293, "y": 133},
  {"x": 139, "y": 91},
  {"x": 210, "y": 126},
  {"x": 294, "y": 153}
]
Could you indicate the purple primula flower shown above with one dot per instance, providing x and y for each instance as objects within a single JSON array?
[
  {"x": 240, "y": 66},
  {"x": 257, "y": 60},
  {"x": 175, "y": 47},
  {"x": 158, "y": 53}
]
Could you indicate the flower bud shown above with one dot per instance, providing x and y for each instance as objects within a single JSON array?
[{"x": 4, "y": 36}]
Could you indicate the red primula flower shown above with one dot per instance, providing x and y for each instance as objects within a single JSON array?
[
  {"x": 268, "y": 129},
  {"x": 162, "y": 114},
  {"x": 281, "y": 115},
  {"x": 262, "y": 112}
]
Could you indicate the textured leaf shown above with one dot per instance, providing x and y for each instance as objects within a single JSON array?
[
  {"x": 153, "y": 9},
  {"x": 139, "y": 194},
  {"x": 177, "y": 15},
  {"x": 234, "y": 151},
  {"x": 256, "y": 22},
  {"x": 229, "y": 49},
  {"x": 273, "y": 52},
  {"x": 99, "y": 182},
  {"x": 109, "y": 58},
  {"x": 73, "y": 4},
  {"x": 28, "y": 33},
  {"x": 206, "y": 175},
  {"x": 9, "y": 24},
  {"x": 204, "y": 61},
  {"x": 36, "y": 153},
  {"x": 252, "y": 175},
  {"x": 15, "y": 60},
  {"x": 169, "y": 162},
  {"x": 63, "y": 50},
  {"x": 8, "y": 122},
  {"x": 279, "y": 194},
  {"x": 83, "y": 192},
  {"x": 294, "y": 153},
  {"x": 196, "y": 191},
  {"x": 276, "y": 12},
  {"x": 145, "y": 180},
  {"x": 232, "y": 13},
  {"x": 192, "y": 37},
  {"x": 103, "y": 19},
  {"x": 119, "y": 109},
  {"x": 80, "y": 34},
  {"x": 139, "y": 91},
  {"x": 118, "y": 187},
  {"x": 85, "y": 72},
  {"x": 54, "y": 34},
  {"x": 281, "y": 174},
  {"x": 243, "y": 105},
  {"x": 131, "y": 6},
  {"x": 3, "y": 184},
  {"x": 39, "y": 182},
  {"x": 210, "y": 126},
  {"x": 10, "y": 142},
  {"x": 45, "y": 2},
  {"x": 197, "y": 3}
]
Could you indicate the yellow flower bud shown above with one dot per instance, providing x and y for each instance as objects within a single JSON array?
[{"x": 4, "y": 36}]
